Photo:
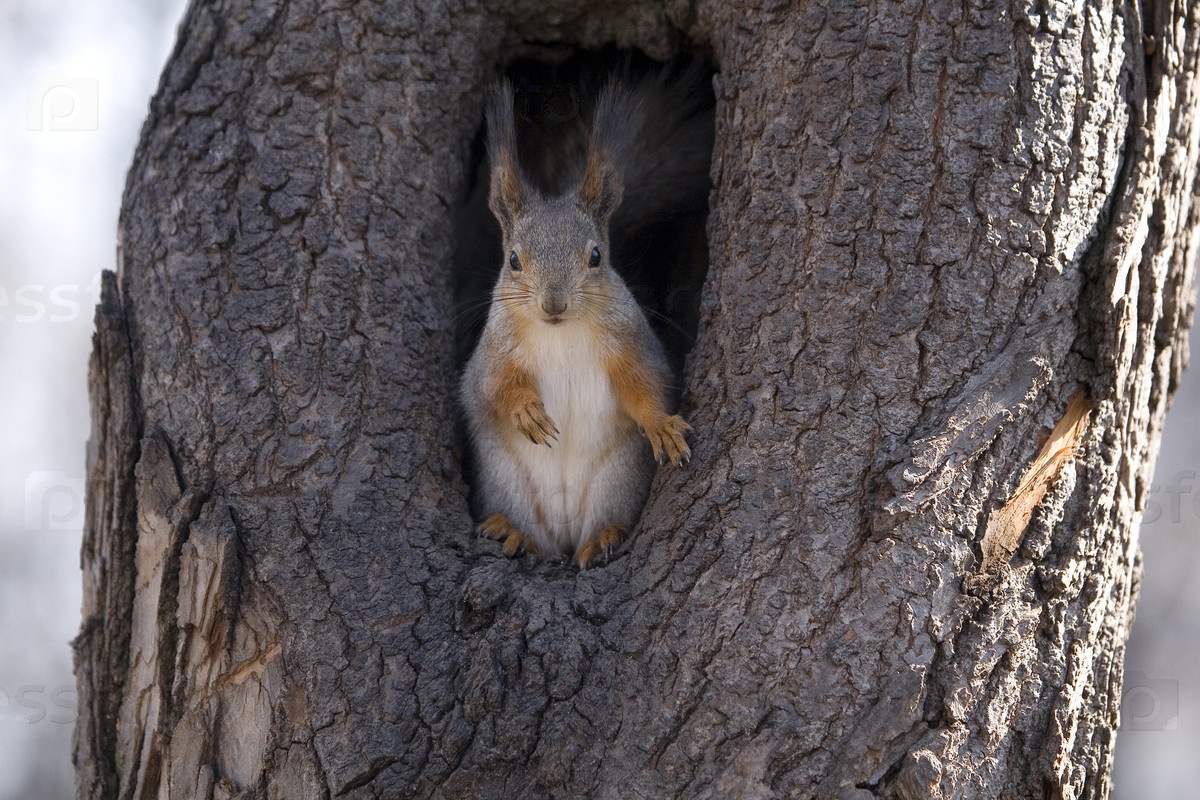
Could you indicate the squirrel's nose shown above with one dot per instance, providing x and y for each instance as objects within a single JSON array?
[{"x": 553, "y": 303}]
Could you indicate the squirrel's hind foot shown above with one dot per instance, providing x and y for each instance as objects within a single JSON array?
[
  {"x": 512, "y": 540},
  {"x": 604, "y": 542}
]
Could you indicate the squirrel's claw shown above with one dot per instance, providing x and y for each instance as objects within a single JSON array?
[
  {"x": 603, "y": 544},
  {"x": 512, "y": 540},
  {"x": 669, "y": 441},
  {"x": 535, "y": 423}
]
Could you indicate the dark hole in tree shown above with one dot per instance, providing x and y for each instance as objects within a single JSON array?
[{"x": 657, "y": 236}]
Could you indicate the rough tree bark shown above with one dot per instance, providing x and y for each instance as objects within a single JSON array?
[{"x": 933, "y": 225}]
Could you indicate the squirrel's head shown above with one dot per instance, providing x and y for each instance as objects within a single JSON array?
[{"x": 556, "y": 261}]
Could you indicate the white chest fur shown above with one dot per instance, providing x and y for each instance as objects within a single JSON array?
[{"x": 574, "y": 387}]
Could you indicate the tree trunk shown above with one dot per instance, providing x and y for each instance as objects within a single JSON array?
[{"x": 933, "y": 225}]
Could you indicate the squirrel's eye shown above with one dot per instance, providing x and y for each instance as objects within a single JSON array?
[
  {"x": 514, "y": 262},
  {"x": 594, "y": 258}
]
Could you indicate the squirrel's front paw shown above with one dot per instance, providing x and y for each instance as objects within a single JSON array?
[
  {"x": 534, "y": 422},
  {"x": 669, "y": 441}
]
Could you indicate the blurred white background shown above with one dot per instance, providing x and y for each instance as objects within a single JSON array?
[{"x": 77, "y": 79}]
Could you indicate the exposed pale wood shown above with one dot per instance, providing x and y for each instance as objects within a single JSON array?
[{"x": 1008, "y": 523}]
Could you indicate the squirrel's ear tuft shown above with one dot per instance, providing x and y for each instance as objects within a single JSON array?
[
  {"x": 600, "y": 190},
  {"x": 614, "y": 125},
  {"x": 508, "y": 195}
]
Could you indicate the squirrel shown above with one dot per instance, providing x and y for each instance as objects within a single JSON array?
[{"x": 566, "y": 392}]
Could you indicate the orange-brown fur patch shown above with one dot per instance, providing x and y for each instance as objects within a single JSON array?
[
  {"x": 515, "y": 401},
  {"x": 640, "y": 392},
  {"x": 511, "y": 389},
  {"x": 639, "y": 389}
]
